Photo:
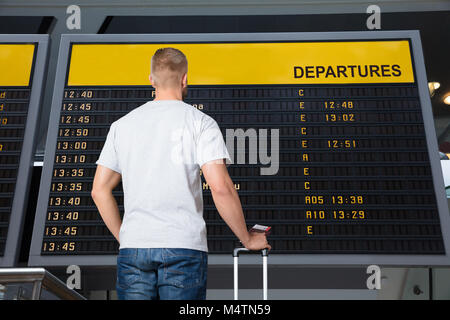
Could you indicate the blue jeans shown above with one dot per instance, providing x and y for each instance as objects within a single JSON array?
[{"x": 161, "y": 273}]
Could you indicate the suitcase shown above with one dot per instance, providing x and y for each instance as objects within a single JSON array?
[{"x": 236, "y": 252}]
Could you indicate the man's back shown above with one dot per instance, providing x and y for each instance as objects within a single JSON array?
[
  {"x": 157, "y": 151},
  {"x": 158, "y": 148}
]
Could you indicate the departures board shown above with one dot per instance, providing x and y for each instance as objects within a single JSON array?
[
  {"x": 351, "y": 173},
  {"x": 22, "y": 68}
]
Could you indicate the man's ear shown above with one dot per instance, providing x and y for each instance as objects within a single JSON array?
[
  {"x": 184, "y": 80},
  {"x": 152, "y": 81}
]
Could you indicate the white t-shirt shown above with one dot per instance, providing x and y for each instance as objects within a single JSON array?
[{"x": 158, "y": 148}]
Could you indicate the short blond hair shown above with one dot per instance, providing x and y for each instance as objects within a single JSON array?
[{"x": 168, "y": 65}]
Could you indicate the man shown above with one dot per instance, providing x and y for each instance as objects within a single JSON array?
[{"x": 157, "y": 150}]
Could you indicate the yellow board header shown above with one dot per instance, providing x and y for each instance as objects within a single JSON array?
[
  {"x": 338, "y": 62},
  {"x": 16, "y": 61}
]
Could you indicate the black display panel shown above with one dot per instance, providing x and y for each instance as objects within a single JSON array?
[
  {"x": 14, "y": 103},
  {"x": 26, "y": 24},
  {"x": 22, "y": 60},
  {"x": 355, "y": 174}
]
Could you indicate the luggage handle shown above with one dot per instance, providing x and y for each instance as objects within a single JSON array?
[{"x": 236, "y": 252}]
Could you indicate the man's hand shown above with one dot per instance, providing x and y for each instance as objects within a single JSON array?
[{"x": 257, "y": 241}]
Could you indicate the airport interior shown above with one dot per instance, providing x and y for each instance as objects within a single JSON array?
[{"x": 351, "y": 97}]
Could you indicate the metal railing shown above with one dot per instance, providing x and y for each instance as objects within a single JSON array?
[{"x": 41, "y": 279}]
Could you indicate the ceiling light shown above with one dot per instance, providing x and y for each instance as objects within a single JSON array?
[
  {"x": 447, "y": 99},
  {"x": 432, "y": 86}
]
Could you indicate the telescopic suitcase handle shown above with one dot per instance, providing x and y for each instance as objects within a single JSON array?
[{"x": 236, "y": 252}]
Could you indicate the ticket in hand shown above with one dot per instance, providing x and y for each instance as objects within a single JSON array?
[{"x": 260, "y": 228}]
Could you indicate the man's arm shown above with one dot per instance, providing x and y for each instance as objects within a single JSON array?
[
  {"x": 229, "y": 206},
  {"x": 105, "y": 181}
]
